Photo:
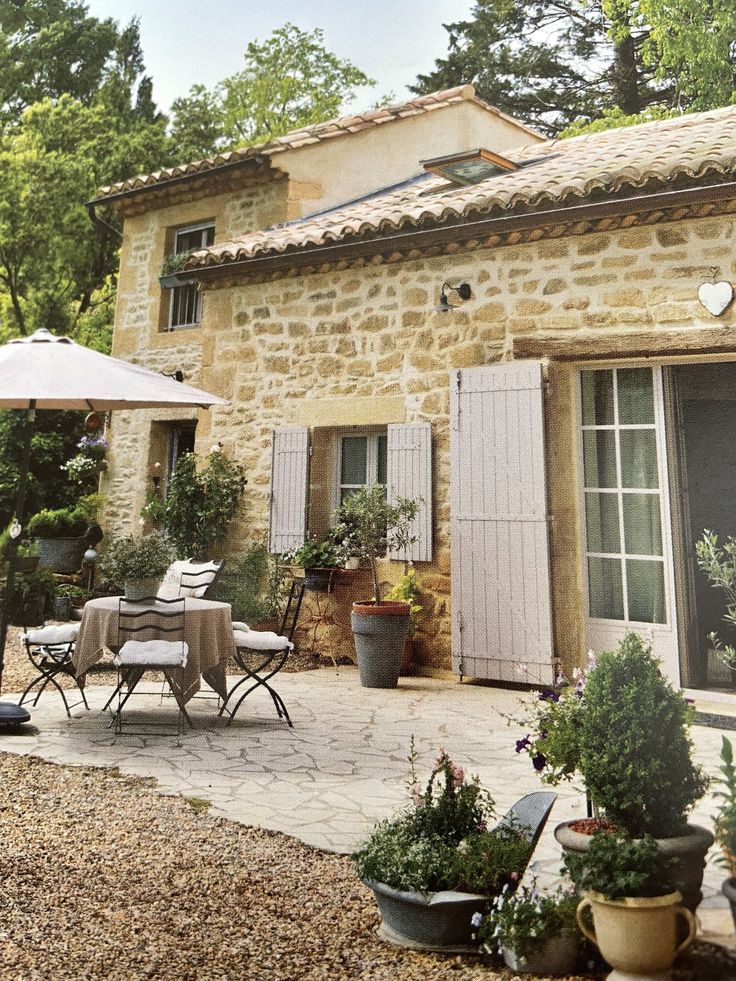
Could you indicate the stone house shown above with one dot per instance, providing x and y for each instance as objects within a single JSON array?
[{"x": 566, "y": 418}]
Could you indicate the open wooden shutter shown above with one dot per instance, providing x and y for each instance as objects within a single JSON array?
[
  {"x": 289, "y": 487},
  {"x": 410, "y": 475},
  {"x": 502, "y": 618}
]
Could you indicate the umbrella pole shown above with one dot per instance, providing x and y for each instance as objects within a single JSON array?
[{"x": 10, "y": 714}]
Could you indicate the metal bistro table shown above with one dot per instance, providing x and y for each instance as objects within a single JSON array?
[{"x": 208, "y": 632}]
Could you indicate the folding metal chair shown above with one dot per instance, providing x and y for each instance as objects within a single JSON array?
[
  {"x": 50, "y": 651},
  {"x": 261, "y": 654},
  {"x": 150, "y": 638}
]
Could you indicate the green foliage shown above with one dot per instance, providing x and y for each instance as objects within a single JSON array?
[
  {"x": 635, "y": 749},
  {"x": 200, "y": 504},
  {"x": 725, "y": 822},
  {"x": 442, "y": 841},
  {"x": 127, "y": 558},
  {"x": 253, "y": 584},
  {"x": 719, "y": 565},
  {"x": 175, "y": 261},
  {"x": 41, "y": 582},
  {"x": 369, "y": 526},
  {"x": 59, "y": 523},
  {"x": 555, "y": 724},
  {"x": 617, "y": 118},
  {"x": 90, "y": 505},
  {"x": 407, "y": 590},
  {"x": 523, "y": 920},
  {"x": 561, "y": 61},
  {"x": 315, "y": 554},
  {"x": 618, "y": 866}
]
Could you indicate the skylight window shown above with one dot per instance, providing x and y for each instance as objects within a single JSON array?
[{"x": 469, "y": 167}]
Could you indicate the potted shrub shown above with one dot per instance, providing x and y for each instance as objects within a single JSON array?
[
  {"x": 375, "y": 527},
  {"x": 725, "y": 822},
  {"x": 407, "y": 590},
  {"x": 137, "y": 564},
  {"x": 535, "y": 932},
  {"x": 634, "y": 910},
  {"x": 436, "y": 864},
  {"x": 68, "y": 596},
  {"x": 33, "y": 594},
  {"x": 319, "y": 559},
  {"x": 61, "y": 538},
  {"x": 27, "y": 554},
  {"x": 625, "y": 730},
  {"x": 171, "y": 275}
]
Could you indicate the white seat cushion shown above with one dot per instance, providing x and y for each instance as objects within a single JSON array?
[
  {"x": 172, "y": 586},
  {"x": 261, "y": 640},
  {"x": 157, "y": 653},
  {"x": 64, "y": 633},
  {"x": 239, "y": 625}
]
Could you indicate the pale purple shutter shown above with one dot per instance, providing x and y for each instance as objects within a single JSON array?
[
  {"x": 289, "y": 489},
  {"x": 502, "y": 617},
  {"x": 410, "y": 476}
]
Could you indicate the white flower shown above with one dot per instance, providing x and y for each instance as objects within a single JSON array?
[{"x": 476, "y": 919}]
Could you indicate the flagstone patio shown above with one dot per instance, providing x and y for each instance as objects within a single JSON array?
[{"x": 344, "y": 764}]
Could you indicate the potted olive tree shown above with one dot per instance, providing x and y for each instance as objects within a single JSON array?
[
  {"x": 371, "y": 527},
  {"x": 634, "y": 909},
  {"x": 61, "y": 538},
  {"x": 137, "y": 564}
]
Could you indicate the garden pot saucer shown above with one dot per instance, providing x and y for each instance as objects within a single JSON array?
[{"x": 390, "y": 936}]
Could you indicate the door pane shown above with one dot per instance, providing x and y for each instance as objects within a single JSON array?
[
  {"x": 599, "y": 458},
  {"x": 642, "y": 526},
  {"x": 597, "y": 391},
  {"x": 354, "y": 454},
  {"x": 601, "y": 522},
  {"x": 635, "y": 396},
  {"x": 639, "y": 458},
  {"x": 645, "y": 587},
  {"x": 382, "y": 466},
  {"x": 605, "y": 588}
]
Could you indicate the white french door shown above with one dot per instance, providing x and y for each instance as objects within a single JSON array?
[{"x": 627, "y": 547}]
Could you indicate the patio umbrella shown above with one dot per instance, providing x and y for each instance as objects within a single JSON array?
[{"x": 44, "y": 371}]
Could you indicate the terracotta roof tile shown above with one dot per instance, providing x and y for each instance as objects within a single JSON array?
[
  {"x": 697, "y": 147},
  {"x": 308, "y": 135}
]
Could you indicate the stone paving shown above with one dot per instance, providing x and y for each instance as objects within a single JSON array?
[{"x": 344, "y": 764}]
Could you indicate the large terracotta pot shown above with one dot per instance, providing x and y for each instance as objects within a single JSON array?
[
  {"x": 689, "y": 850},
  {"x": 637, "y": 936},
  {"x": 379, "y": 631}
]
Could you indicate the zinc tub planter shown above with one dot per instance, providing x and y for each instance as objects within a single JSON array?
[
  {"x": 62, "y": 555},
  {"x": 380, "y": 631},
  {"x": 428, "y": 921},
  {"x": 636, "y": 936},
  {"x": 688, "y": 850},
  {"x": 554, "y": 956}
]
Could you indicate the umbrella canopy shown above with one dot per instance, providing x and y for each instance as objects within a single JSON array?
[
  {"x": 56, "y": 373},
  {"x": 48, "y": 372}
]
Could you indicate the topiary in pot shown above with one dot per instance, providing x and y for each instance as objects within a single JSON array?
[
  {"x": 635, "y": 759},
  {"x": 61, "y": 538},
  {"x": 138, "y": 564}
]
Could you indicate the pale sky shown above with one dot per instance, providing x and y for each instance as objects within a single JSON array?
[{"x": 188, "y": 41}]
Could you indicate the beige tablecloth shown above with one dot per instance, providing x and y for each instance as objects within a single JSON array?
[{"x": 207, "y": 630}]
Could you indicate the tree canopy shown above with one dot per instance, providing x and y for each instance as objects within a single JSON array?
[{"x": 559, "y": 62}]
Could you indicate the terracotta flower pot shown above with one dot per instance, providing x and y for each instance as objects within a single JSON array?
[
  {"x": 379, "y": 631},
  {"x": 637, "y": 936}
]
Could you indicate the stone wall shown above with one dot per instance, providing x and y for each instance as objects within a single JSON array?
[{"x": 366, "y": 346}]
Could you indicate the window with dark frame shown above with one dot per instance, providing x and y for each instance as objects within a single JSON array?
[{"x": 185, "y": 302}]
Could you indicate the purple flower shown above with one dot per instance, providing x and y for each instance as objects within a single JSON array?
[
  {"x": 543, "y": 733},
  {"x": 549, "y": 695},
  {"x": 539, "y": 762},
  {"x": 521, "y": 744}
]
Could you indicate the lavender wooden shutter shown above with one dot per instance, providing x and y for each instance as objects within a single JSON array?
[
  {"x": 410, "y": 475},
  {"x": 289, "y": 486},
  {"x": 502, "y": 618}
]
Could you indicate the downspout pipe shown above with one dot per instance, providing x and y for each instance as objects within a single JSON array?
[{"x": 100, "y": 222}]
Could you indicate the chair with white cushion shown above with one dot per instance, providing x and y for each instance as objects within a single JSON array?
[
  {"x": 150, "y": 638},
  {"x": 262, "y": 653},
  {"x": 50, "y": 651},
  {"x": 186, "y": 578}
]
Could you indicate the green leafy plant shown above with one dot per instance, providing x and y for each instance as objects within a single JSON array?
[
  {"x": 70, "y": 590},
  {"x": 174, "y": 262},
  {"x": 441, "y": 841},
  {"x": 28, "y": 549},
  {"x": 39, "y": 583},
  {"x": 523, "y": 920},
  {"x": 372, "y": 526},
  {"x": 60, "y": 523},
  {"x": 315, "y": 554},
  {"x": 407, "y": 590},
  {"x": 83, "y": 469},
  {"x": 200, "y": 503},
  {"x": 635, "y": 747},
  {"x": 127, "y": 558},
  {"x": 616, "y": 866},
  {"x": 725, "y": 821},
  {"x": 719, "y": 565},
  {"x": 90, "y": 505},
  {"x": 253, "y": 584}
]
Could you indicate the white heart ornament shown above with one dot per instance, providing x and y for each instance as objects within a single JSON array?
[{"x": 716, "y": 297}]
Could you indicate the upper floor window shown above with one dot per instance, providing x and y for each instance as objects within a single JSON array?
[{"x": 185, "y": 302}]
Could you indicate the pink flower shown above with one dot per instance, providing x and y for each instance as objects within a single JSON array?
[{"x": 458, "y": 775}]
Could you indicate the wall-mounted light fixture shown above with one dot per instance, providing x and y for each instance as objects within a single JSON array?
[
  {"x": 177, "y": 375},
  {"x": 462, "y": 290}
]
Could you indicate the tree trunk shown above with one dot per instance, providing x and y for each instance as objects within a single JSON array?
[{"x": 626, "y": 76}]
